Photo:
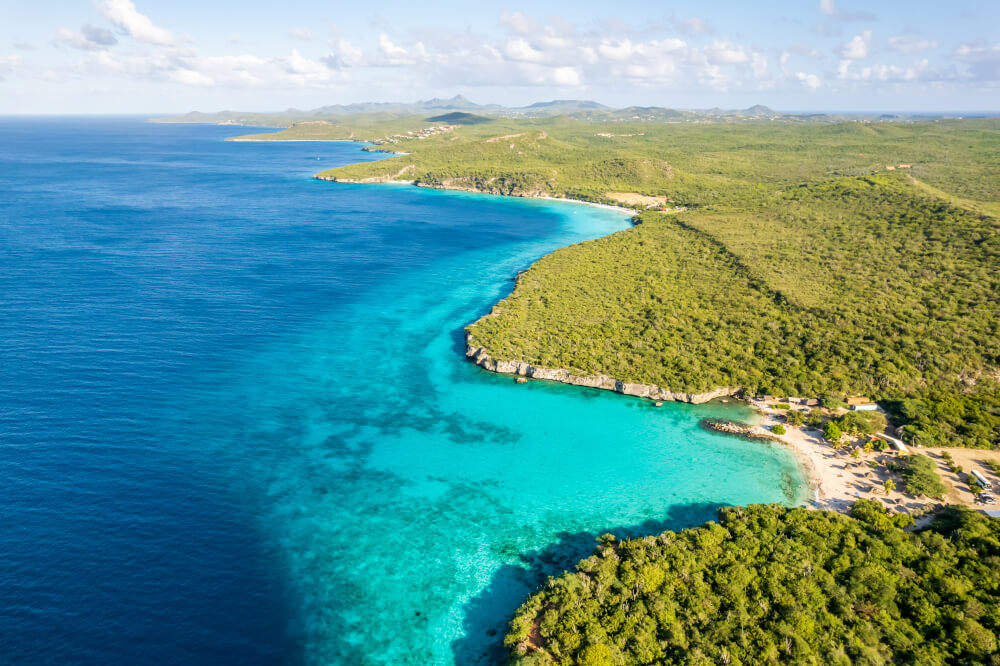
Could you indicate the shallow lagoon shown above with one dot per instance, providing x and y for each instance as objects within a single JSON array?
[{"x": 237, "y": 421}]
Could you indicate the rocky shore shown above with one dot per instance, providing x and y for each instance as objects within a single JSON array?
[
  {"x": 739, "y": 429},
  {"x": 480, "y": 357}
]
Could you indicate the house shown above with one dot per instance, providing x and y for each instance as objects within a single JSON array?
[
  {"x": 858, "y": 400},
  {"x": 870, "y": 407}
]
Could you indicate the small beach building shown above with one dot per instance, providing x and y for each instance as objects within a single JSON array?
[
  {"x": 870, "y": 407},
  {"x": 897, "y": 444},
  {"x": 858, "y": 400}
]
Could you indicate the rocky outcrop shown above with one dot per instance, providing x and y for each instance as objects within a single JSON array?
[
  {"x": 388, "y": 178},
  {"x": 739, "y": 429},
  {"x": 481, "y": 358}
]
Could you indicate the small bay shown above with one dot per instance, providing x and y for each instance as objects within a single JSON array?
[{"x": 237, "y": 425}]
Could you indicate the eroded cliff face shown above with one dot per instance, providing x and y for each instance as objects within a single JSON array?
[{"x": 481, "y": 358}]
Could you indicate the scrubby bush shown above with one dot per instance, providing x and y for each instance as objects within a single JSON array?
[
  {"x": 770, "y": 585},
  {"x": 921, "y": 476}
]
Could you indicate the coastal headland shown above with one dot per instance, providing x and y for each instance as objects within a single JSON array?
[{"x": 828, "y": 257}]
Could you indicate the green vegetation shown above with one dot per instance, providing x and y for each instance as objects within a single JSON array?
[
  {"x": 943, "y": 418},
  {"x": 832, "y": 431},
  {"x": 858, "y": 424},
  {"x": 795, "y": 418},
  {"x": 768, "y": 585},
  {"x": 789, "y": 259},
  {"x": 921, "y": 476},
  {"x": 778, "y": 429},
  {"x": 950, "y": 462}
]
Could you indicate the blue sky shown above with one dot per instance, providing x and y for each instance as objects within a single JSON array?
[{"x": 159, "y": 56}]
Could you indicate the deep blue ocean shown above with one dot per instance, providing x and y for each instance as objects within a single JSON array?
[{"x": 236, "y": 424}]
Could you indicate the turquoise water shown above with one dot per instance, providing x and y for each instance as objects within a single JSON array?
[{"x": 239, "y": 404}]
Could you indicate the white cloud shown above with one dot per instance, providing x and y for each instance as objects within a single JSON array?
[
  {"x": 911, "y": 44},
  {"x": 124, "y": 14},
  {"x": 520, "y": 50},
  {"x": 858, "y": 48},
  {"x": 725, "y": 52},
  {"x": 758, "y": 64},
  {"x": 302, "y": 34},
  {"x": 565, "y": 76},
  {"x": 392, "y": 54},
  {"x": 191, "y": 77},
  {"x": 343, "y": 55},
  {"x": 90, "y": 38},
  {"x": 810, "y": 81}
]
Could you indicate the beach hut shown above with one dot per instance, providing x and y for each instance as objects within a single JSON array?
[
  {"x": 897, "y": 444},
  {"x": 870, "y": 407}
]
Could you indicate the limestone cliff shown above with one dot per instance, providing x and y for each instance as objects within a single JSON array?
[{"x": 481, "y": 358}]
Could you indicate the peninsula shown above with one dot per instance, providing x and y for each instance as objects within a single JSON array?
[{"x": 772, "y": 253}]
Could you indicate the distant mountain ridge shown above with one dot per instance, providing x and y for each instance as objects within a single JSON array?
[{"x": 588, "y": 110}]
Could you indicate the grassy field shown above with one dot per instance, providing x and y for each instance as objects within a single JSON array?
[{"x": 793, "y": 261}]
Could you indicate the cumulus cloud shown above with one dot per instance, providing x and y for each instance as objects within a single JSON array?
[
  {"x": 124, "y": 14},
  {"x": 90, "y": 38},
  {"x": 911, "y": 44},
  {"x": 858, "y": 48},
  {"x": 725, "y": 52},
  {"x": 343, "y": 55},
  {"x": 391, "y": 54},
  {"x": 810, "y": 81}
]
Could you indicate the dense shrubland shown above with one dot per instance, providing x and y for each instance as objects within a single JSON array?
[
  {"x": 800, "y": 265},
  {"x": 857, "y": 286},
  {"x": 768, "y": 585}
]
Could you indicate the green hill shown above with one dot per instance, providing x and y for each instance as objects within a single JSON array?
[{"x": 770, "y": 585}]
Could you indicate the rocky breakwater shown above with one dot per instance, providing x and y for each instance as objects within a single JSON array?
[
  {"x": 481, "y": 358},
  {"x": 738, "y": 429}
]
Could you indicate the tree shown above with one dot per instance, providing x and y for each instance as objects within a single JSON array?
[
  {"x": 921, "y": 477},
  {"x": 831, "y": 431},
  {"x": 795, "y": 418},
  {"x": 815, "y": 418},
  {"x": 778, "y": 429},
  {"x": 768, "y": 585},
  {"x": 889, "y": 486}
]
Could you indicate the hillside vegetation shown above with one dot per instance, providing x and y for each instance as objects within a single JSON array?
[
  {"x": 770, "y": 585},
  {"x": 787, "y": 258}
]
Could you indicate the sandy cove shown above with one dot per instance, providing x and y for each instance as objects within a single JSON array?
[{"x": 837, "y": 480}]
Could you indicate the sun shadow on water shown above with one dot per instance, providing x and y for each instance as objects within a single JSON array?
[{"x": 487, "y": 615}]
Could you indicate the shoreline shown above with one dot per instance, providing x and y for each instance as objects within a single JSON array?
[
  {"x": 543, "y": 197},
  {"x": 480, "y": 357}
]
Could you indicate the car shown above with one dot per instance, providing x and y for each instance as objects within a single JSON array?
[{"x": 986, "y": 498}]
